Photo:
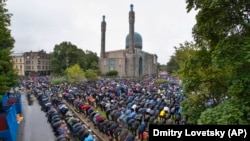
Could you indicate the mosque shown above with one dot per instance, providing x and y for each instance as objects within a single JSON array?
[{"x": 130, "y": 62}]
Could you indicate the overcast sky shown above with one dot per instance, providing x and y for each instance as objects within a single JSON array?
[{"x": 41, "y": 24}]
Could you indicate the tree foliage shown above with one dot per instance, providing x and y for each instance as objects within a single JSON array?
[
  {"x": 163, "y": 67},
  {"x": 91, "y": 75},
  {"x": 172, "y": 65},
  {"x": 75, "y": 74},
  {"x": 67, "y": 54},
  {"x": 218, "y": 65},
  {"x": 219, "y": 19},
  {"x": 229, "y": 112},
  {"x": 8, "y": 76},
  {"x": 91, "y": 60}
]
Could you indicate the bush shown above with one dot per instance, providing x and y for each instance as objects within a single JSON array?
[
  {"x": 91, "y": 75},
  {"x": 58, "y": 81},
  {"x": 112, "y": 73},
  {"x": 161, "y": 81}
]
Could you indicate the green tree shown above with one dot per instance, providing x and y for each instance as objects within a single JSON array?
[
  {"x": 172, "y": 65},
  {"x": 8, "y": 76},
  {"x": 65, "y": 55},
  {"x": 230, "y": 112},
  {"x": 91, "y": 75},
  {"x": 201, "y": 80},
  {"x": 163, "y": 67},
  {"x": 75, "y": 74},
  {"x": 221, "y": 64},
  {"x": 218, "y": 19},
  {"x": 91, "y": 60}
]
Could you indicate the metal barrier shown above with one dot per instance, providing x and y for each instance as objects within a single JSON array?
[
  {"x": 9, "y": 125},
  {"x": 12, "y": 106},
  {"x": 9, "y": 101}
]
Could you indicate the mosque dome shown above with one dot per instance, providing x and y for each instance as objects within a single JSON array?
[{"x": 137, "y": 40}]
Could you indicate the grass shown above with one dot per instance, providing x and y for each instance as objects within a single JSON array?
[
  {"x": 97, "y": 109},
  {"x": 58, "y": 80}
]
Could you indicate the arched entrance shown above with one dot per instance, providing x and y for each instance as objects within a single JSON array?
[{"x": 140, "y": 66}]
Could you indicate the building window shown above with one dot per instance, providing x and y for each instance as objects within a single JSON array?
[
  {"x": 112, "y": 64},
  {"x": 20, "y": 60},
  {"x": 16, "y": 67},
  {"x": 32, "y": 67},
  {"x": 38, "y": 57},
  {"x": 20, "y": 66}
]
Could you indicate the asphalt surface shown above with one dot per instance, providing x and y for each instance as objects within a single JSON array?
[{"x": 34, "y": 126}]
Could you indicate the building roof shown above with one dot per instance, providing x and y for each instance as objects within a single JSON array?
[
  {"x": 137, "y": 40},
  {"x": 16, "y": 54}
]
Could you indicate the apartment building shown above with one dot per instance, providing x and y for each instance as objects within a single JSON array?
[
  {"x": 37, "y": 63},
  {"x": 18, "y": 63}
]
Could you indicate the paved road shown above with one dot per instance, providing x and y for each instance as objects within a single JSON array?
[{"x": 34, "y": 126}]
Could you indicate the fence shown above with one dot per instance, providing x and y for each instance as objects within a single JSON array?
[
  {"x": 11, "y": 104},
  {"x": 12, "y": 100},
  {"x": 9, "y": 125}
]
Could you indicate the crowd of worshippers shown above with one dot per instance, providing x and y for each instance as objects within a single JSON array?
[
  {"x": 129, "y": 106},
  {"x": 63, "y": 121},
  {"x": 125, "y": 107}
]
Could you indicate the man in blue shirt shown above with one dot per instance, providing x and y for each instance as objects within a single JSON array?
[
  {"x": 133, "y": 114},
  {"x": 130, "y": 137},
  {"x": 141, "y": 130},
  {"x": 89, "y": 138}
]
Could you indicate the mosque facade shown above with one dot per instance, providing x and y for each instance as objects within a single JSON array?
[{"x": 129, "y": 62}]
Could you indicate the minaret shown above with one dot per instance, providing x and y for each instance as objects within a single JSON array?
[
  {"x": 103, "y": 30},
  {"x": 131, "y": 29}
]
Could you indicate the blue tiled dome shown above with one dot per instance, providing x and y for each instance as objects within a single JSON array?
[{"x": 137, "y": 40}]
